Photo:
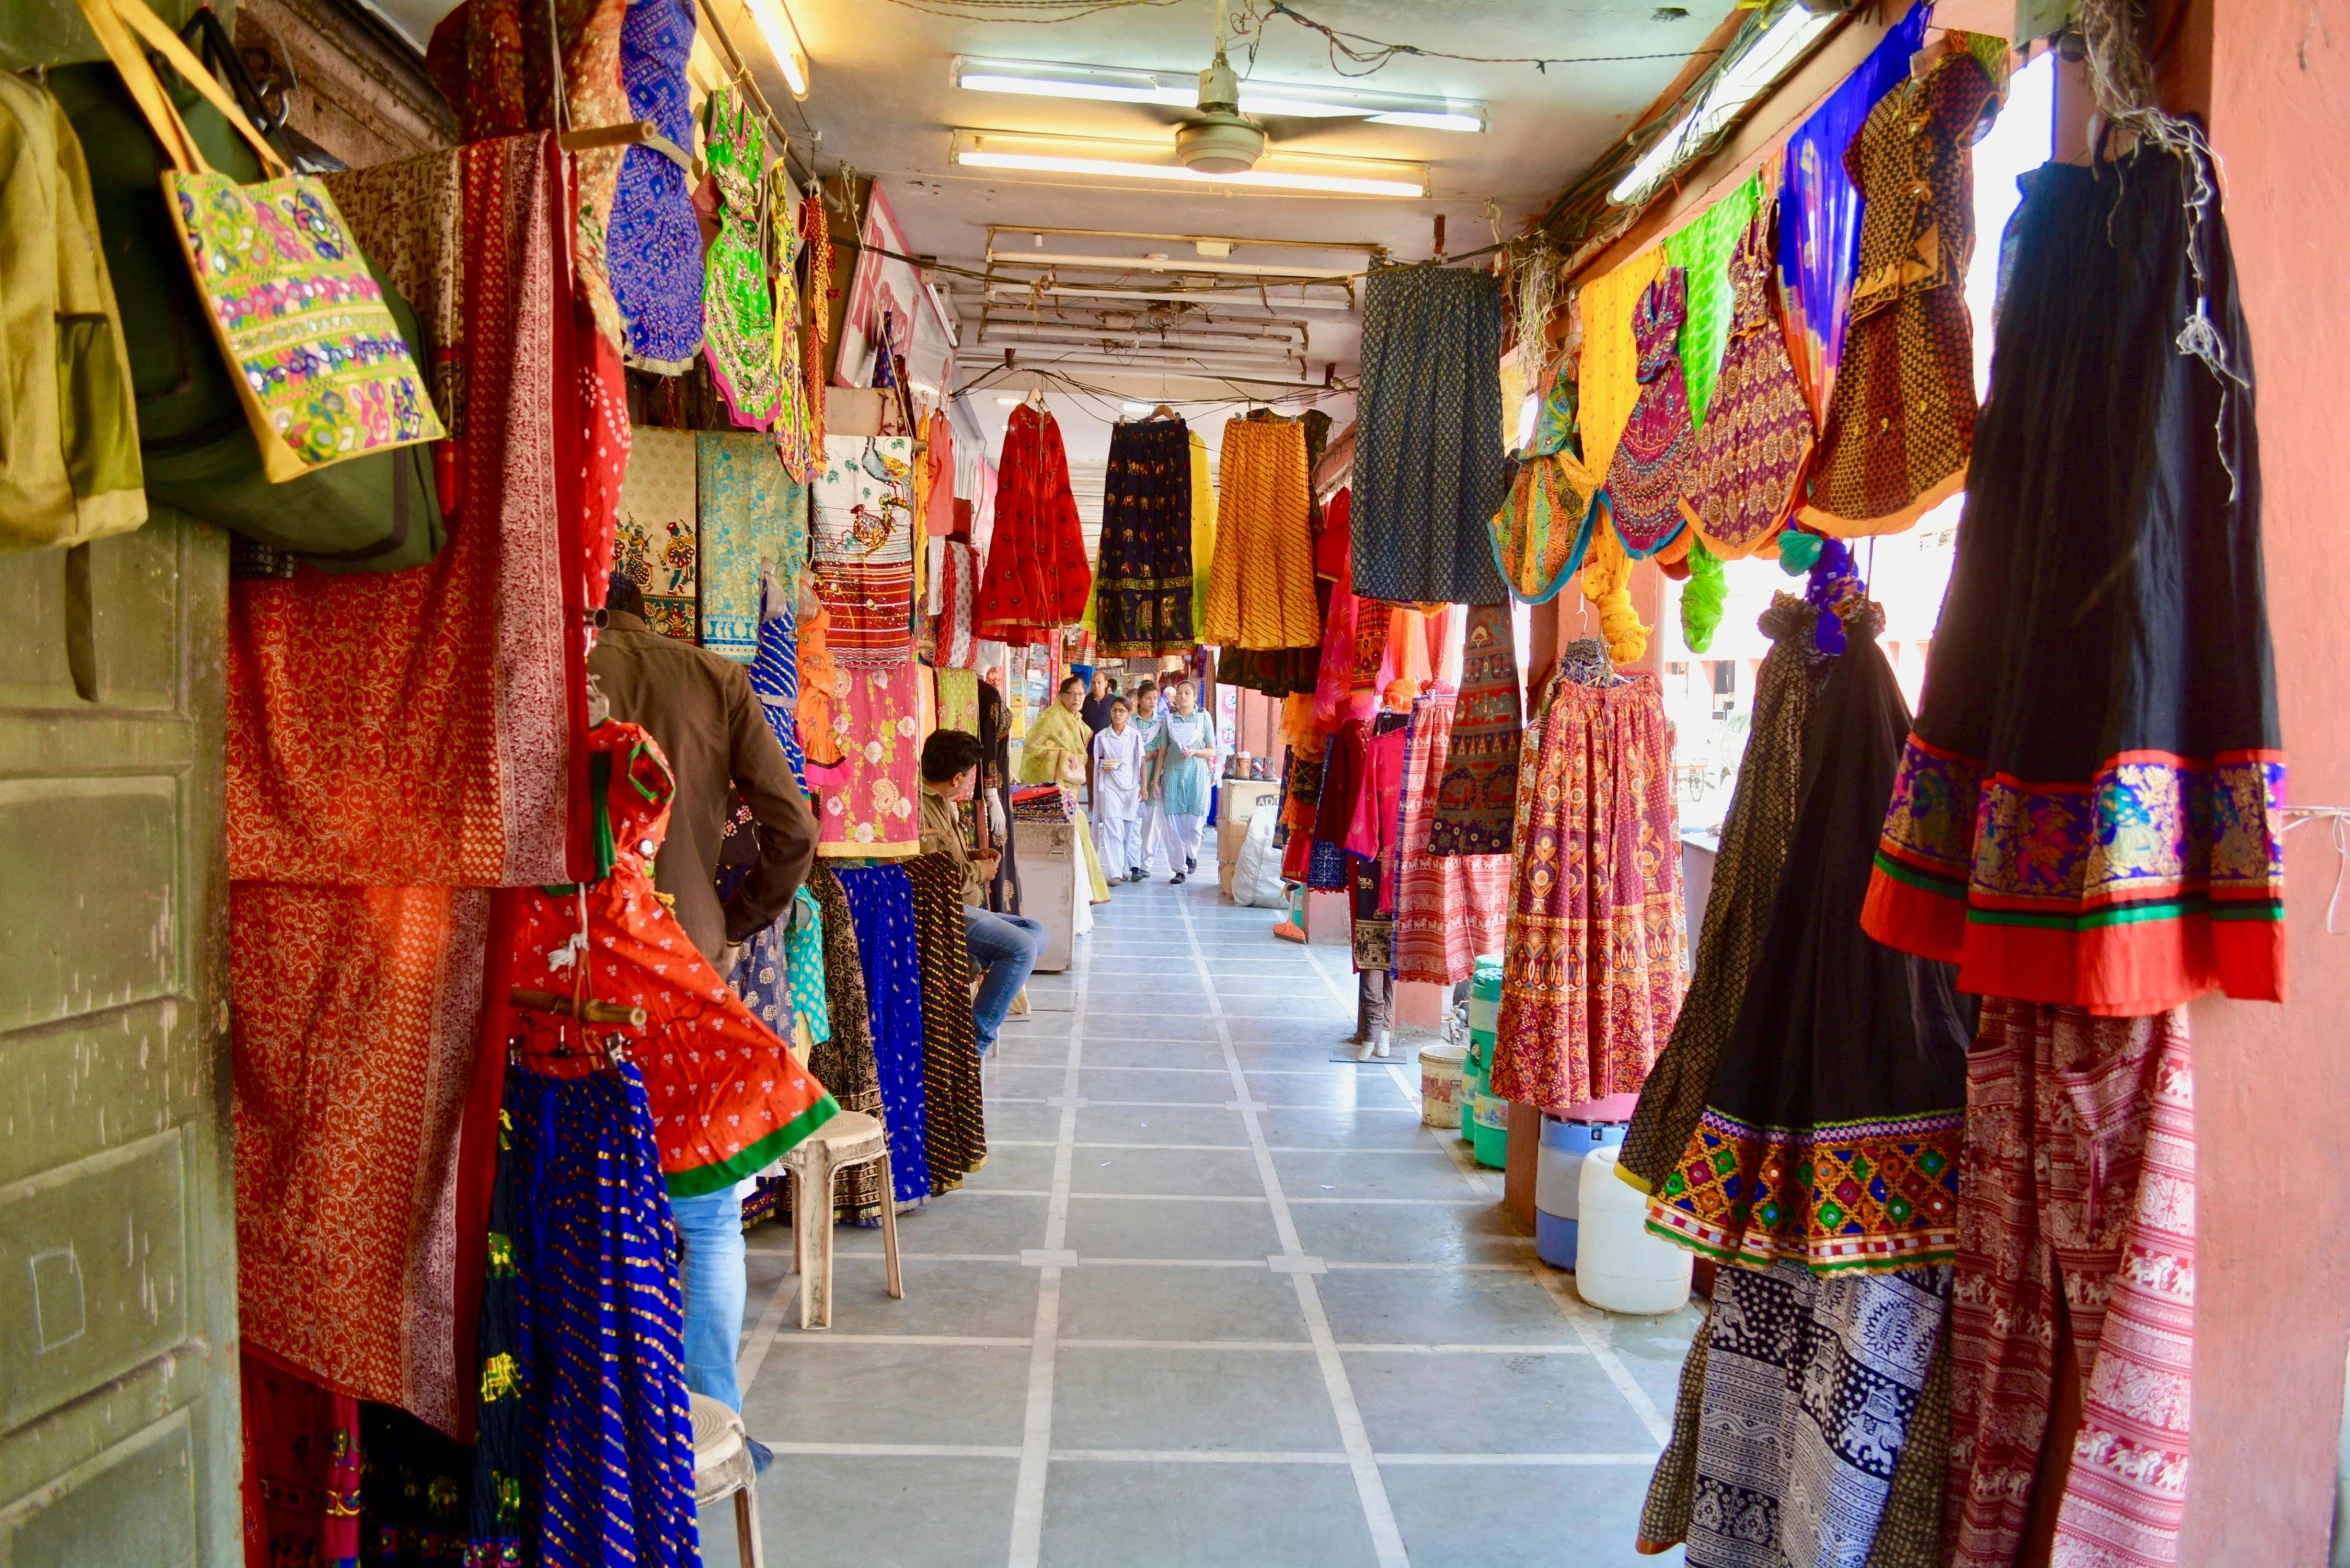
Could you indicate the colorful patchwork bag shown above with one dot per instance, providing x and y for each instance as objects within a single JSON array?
[{"x": 319, "y": 363}]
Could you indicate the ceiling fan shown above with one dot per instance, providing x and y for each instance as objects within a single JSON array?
[{"x": 1223, "y": 125}]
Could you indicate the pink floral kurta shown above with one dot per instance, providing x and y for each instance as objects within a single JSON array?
[{"x": 869, "y": 804}]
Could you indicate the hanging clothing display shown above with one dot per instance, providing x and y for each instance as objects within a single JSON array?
[
  {"x": 1428, "y": 471},
  {"x": 738, "y": 312},
  {"x": 1749, "y": 454},
  {"x": 750, "y": 517},
  {"x": 395, "y": 728},
  {"x": 1819, "y": 225},
  {"x": 815, "y": 233},
  {"x": 797, "y": 441},
  {"x": 1747, "y": 866},
  {"x": 876, "y": 726},
  {"x": 1832, "y": 1126},
  {"x": 654, "y": 244},
  {"x": 2089, "y": 812},
  {"x": 774, "y": 985},
  {"x": 1342, "y": 767},
  {"x": 2080, "y": 1160},
  {"x": 1543, "y": 526},
  {"x": 1144, "y": 587},
  {"x": 657, "y": 544},
  {"x": 958, "y": 649},
  {"x": 1815, "y": 1395},
  {"x": 1650, "y": 470},
  {"x": 819, "y": 681},
  {"x": 1608, "y": 375},
  {"x": 958, "y": 700},
  {"x": 1203, "y": 532},
  {"x": 1702, "y": 250},
  {"x": 775, "y": 674},
  {"x": 1264, "y": 596},
  {"x": 861, "y": 540},
  {"x": 1901, "y": 419},
  {"x": 1592, "y": 956},
  {"x": 844, "y": 1061},
  {"x": 954, "y": 1122},
  {"x": 1448, "y": 908},
  {"x": 1037, "y": 578},
  {"x": 586, "y": 1435},
  {"x": 881, "y": 902},
  {"x": 301, "y": 1465},
  {"x": 1477, "y": 795},
  {"x": 727, "y": 1097},
  {"x": 356, "y": 1014}
]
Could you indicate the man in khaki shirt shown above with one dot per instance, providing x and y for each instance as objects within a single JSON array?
[{"x": 1004, "y": 948}]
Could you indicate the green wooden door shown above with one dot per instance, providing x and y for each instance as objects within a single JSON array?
[{"x": 118, "y": 1343}]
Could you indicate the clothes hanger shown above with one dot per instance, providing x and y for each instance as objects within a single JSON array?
[{"x": 1162, "y": 411}]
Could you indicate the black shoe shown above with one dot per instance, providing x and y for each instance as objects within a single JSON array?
[
  {"x": 1176, "y": 880},
  {"x": 761, "y": 1456},
  {"x": 1134, "y": 873},
  {"x": 1191, "y": 863}
]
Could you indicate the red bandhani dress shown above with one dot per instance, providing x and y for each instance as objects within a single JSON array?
[
  {"x": 1037, "y": 579},
  {"x": 728, "y": 1098}
]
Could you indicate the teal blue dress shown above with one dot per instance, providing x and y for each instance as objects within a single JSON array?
[{"x": 1184, "y": 782}]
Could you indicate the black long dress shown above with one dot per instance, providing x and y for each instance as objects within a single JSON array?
[{"x": 2100, "y": 696}]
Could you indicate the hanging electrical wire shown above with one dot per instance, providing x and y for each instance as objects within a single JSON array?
[
  {"x": 1370, "y": 54},
  {"x": 1032, "y": 11}
]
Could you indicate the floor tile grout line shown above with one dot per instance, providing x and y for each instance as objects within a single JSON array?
[
  {"x": 1370, "y": 1488},
  {"x": 1593, "y": 1331},
  {"x": 1036, "y": 1430},
  {"x": 1314, "y": 962}
]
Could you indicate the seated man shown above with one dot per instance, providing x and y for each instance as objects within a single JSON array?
[{"x": 1004, "y": 948}]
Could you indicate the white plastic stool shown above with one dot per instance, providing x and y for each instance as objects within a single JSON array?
[
  {"x": 848, "y": 1140},
  {"x": 723, "y": 1468}
]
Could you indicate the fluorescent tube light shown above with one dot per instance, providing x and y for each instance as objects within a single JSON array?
[
  {"x": 1745, "y": 79},
  {"x": 1325, "y": 178},
  {"x": 783, "y": 41},
  {"x": 1180, "y": 89}
]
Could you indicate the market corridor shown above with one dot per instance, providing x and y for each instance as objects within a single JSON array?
[{"x": 1215, "y": 1299}]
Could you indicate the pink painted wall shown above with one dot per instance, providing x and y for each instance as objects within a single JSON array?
[{"x": 2272, "y": 1084}]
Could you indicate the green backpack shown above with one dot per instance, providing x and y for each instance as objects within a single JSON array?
[{"x": 378, "y": 513}]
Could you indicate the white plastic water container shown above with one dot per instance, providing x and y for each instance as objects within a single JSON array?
[
  {"x": 1619, "y": 1266},
  {"x": 1558, "y": 1176}
]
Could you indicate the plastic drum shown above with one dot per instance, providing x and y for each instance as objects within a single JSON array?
[
  {"x": 1619, "y": 1266},
  {"x": 1440, "y": 1084},
  {"x": 1558, "y": 1172}
]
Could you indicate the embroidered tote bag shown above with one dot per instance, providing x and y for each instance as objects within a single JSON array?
[{"x": 318, "y": 362}]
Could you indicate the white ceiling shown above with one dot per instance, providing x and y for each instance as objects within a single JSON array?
[{"x": 883, "y": 101}]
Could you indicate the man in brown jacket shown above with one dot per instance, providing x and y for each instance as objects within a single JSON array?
[{"x": 701, "y": 710}]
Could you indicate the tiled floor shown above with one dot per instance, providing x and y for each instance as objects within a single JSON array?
[{"x": 1214, "y": 1300}]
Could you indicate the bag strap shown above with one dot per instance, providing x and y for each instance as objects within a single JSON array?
[
  {"x": 180, "y": 58},
  {"x": 163, "y": 117}
]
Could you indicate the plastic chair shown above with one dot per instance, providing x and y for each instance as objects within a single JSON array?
[
  {"x": 723, "y": 1468},
  {"x": 847, "y": 1141}
]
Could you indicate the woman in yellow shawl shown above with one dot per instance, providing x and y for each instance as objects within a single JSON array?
[{"x": 1054, "y": 752}]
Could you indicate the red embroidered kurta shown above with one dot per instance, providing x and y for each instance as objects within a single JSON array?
[{"x": 1037, "y": 579}]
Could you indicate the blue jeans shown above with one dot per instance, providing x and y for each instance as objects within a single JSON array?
[
  {"x": 712, "y": 1228},
  {"x": 1004, "y": 949}
]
